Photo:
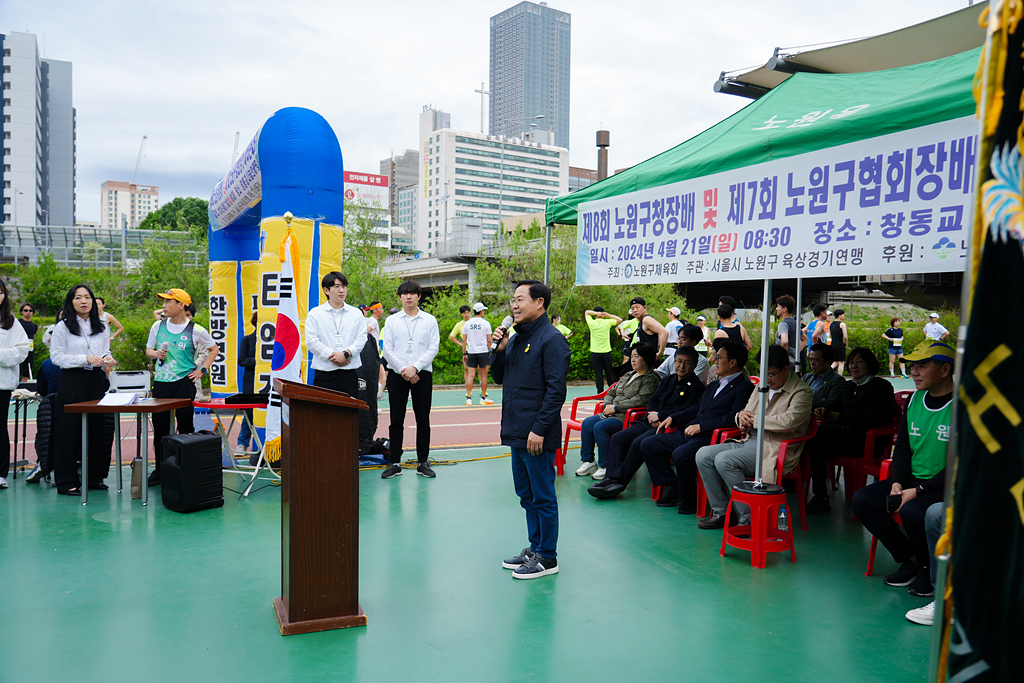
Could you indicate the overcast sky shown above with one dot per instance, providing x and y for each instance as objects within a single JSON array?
[{"x": 189, "y": 74}]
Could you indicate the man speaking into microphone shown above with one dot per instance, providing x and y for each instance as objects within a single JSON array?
[{"x": 532, "y": 366}]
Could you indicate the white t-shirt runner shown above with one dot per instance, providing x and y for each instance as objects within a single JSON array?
[{"x": 476, "y": 331}]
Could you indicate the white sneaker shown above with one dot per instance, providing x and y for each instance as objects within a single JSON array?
[
  {"x": 469, "y": 400},
  {"x": 484, "y": 401},
  {"x": 3, "y": 483},
  {"x": 599, "y": 474},
  {"x": 923, "y": 615},
  {"x": 586, "y": 468}
]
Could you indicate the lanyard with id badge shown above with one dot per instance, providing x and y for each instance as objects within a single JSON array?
[{"x": 410, "y": 345}]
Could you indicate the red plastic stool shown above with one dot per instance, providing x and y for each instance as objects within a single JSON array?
[{"x": 762, "y": 536}]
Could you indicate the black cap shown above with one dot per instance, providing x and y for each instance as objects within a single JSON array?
[{"x": 638, "y": 300}]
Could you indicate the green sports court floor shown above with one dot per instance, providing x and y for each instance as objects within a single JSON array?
[{"x": 117, "y": 592}]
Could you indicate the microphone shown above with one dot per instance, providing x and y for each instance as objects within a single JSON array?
[
  {"x": 505, "y": 324},
  {"x": 163, "y": 347}
]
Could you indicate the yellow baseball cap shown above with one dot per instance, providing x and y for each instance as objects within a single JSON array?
[{"x": 176, "y": 294}]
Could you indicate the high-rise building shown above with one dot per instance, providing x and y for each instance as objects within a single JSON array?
[
  {"x": 38, "y": 127},
  {"x": 402, "y": 170},
  {"x": 581, "y": 177},
  {"x": 530, "y": 71},
  {"x": 124, "y": 203},
  {"x": 471, "y": 175}
]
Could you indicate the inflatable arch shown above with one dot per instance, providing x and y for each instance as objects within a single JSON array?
[{"x": 293, "y": 165}]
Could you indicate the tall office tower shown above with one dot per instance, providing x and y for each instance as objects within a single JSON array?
[
  {"x": 530, "y": 71},
  {"x": 122, "y": 202},
  {"x": 38, "y": 127},
  {"x": 470, "y": 175},
  {"x": 402, "y": 170}
]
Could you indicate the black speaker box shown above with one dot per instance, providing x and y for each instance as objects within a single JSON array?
[{"x": 190, "y": 472}]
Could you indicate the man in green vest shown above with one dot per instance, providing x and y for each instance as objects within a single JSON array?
[
  {"x": 172, "y": 343},
  {"x": 918, "y": 475}
]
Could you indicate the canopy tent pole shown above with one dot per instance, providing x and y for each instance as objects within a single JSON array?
[
  {"x": 762, "y": 386},
  {"x": 547, "y": 255},
  {"x": 799, "y": 315}
]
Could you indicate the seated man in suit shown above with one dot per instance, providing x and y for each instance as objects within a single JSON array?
[
  {"x": 678, "y": 391},
  {"x": 787, "y": 417},
  {"x": 695, "y": 425},
  {"x": 826, "y": 384}
]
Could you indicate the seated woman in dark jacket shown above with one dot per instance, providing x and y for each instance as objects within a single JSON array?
[
  {"x": 865, "y": 402},
  {"x": 631, "y": 391}
]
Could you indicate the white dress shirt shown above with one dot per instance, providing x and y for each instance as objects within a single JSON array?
[
  {"x": 331, "y": 329},
  {"x": 411, "y": 340},
  {"x": 14, "y": 348},
  {"x": 69, "y": 350}
]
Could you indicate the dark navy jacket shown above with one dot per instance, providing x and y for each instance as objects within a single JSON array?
[
  {"x": 674, "y": 395},
  {"x": 532, "y": 371},
  {"x": 715, "y": 412}
]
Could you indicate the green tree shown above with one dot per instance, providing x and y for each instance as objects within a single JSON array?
[
  {"x": 181, "y": 213},
  {"x": 364, "y": 257}
]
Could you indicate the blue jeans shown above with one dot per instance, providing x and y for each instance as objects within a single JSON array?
[
  {"x": 596, "y": 430},
  {"x": 934, "y": 525},
  {"x": 244, "y": 433},
  {"x": 534, "y": 479}
]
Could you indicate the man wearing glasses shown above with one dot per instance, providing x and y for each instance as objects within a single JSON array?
[
  {"x": 787, "y": 417},
  {"x": 27, "y": 311},
  {"x": 532, "y": 366}
]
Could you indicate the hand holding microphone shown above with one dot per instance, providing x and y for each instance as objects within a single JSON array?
[
  {"x": 163, "y": 350},
  {"x": 505, "y": 324}
]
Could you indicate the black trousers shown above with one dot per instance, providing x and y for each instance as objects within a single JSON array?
[
  {"x": 345, "y": 381},
  {"x": 624, "y": 458},
  {"x": 869, "y": 506},
  {"x": 77, "y": 385},
  {"x": 183, "y": 388},
  {"x": 368, "y": 418},
  {"x": 398, "y": 394},
  {"x": 602, "y": 365},
  {"x": 682, "y": 450},
  {"x": 5, "y": 445}
]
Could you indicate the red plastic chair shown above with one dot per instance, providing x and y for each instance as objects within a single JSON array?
[
  {"x": 717, "y": 437},
  {"x": 883, "y": 474},
  {"x": 576, "y": 424},
  {"x": 902, "y": 397},
  {"x": 801, "y": 473},
  {"x": 857, "y": 469},
  {"x": 762, "y": 535}
]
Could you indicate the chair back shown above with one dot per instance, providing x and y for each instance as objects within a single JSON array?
[
  {"x": 812, "y": 430},
  {"x": 902, "y": 397}
]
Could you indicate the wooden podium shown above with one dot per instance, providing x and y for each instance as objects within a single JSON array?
[{"x": 319, "y": 510}]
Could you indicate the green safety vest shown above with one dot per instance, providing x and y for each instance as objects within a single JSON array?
[
  {"x": 181, "y": 353},
  {"x": 929, "y": 436}
]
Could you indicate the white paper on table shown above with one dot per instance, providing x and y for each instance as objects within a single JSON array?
[{"x": 118, "y": 399}]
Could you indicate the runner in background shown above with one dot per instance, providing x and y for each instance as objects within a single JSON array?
[{"x": 673, "y": 326}]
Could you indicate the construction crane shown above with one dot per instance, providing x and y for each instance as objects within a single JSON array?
[{"x": 138, "y": 163}]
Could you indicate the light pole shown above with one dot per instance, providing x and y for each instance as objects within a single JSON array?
[
  {"x": 501, "y": 170},
  {"x": 16, "y": 193}
]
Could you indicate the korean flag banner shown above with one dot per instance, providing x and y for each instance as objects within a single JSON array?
[{"x": 287, "y": 359}]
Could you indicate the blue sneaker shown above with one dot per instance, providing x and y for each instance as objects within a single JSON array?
[
  {"x": 519, "y": 560},
  {"x": 537, "y": 567}
]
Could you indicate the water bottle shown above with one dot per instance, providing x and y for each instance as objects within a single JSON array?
[{"x": 783, "y": 521}]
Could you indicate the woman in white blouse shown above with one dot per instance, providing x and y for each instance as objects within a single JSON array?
[
  {"x": 14, "y": 348},
  {"x": 81, "y": 347}
]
